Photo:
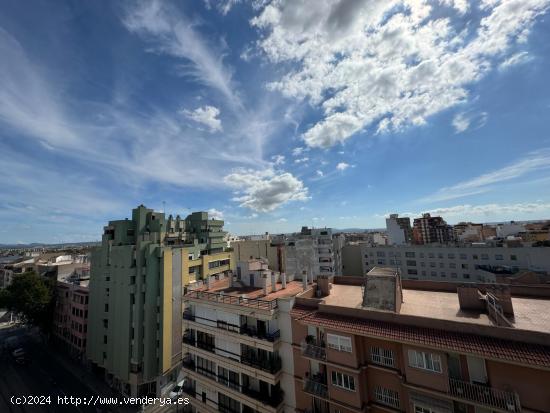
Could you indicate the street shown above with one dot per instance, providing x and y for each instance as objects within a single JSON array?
[{"x": 43, "y": 376}]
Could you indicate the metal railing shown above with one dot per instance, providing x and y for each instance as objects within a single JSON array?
[
  {"x": 233, "y": 300},
  {"x": 274, "y": 400},
  {"x": 271, "y": 365},
  {"x": 254, "y": 332},
  {"x": 314, "y": 350},
  {"x": 485, "y": 395},
  {"x": 316, "y": 388}
]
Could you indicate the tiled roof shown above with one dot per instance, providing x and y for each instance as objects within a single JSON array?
[{"x": 514, "y": 351}]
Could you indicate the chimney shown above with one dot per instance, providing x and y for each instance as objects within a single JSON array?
[
  {"x": 273, "y": 282},
  {"x": 283, "y": 280},
  {"x": 323, "y": 283}
]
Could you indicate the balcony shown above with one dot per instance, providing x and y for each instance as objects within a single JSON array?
[
  {"x": 314, "y": 349},
  {"x": 188, "y": 339},
  {"x": 252, "y": 331},
  {"x": 188, "y": 316},
  {"x": 189, "y": 390},
  {"x": 271, "y": 365},
  {"x": 316, "y": 387},
  {"x": 485, "y": 395},
  {"x": 188, "y": 363},
  {"x": 274, "y": 400},
  {"x": 235, "y": 300},
  {"x": 206, "y": 346}
]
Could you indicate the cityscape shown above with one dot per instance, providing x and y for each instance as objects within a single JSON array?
[{"x": 275, "y": 206}]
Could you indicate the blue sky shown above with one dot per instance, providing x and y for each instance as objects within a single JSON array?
[{"x": 271, "y": 114}]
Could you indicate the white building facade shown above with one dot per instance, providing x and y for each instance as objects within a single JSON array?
[{"x": 310, "y": 252}]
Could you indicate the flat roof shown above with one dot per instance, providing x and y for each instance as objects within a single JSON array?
[{"x": 529, "y": 313}]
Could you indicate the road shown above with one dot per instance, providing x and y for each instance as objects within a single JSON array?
[{"x": 42, "y": 376}]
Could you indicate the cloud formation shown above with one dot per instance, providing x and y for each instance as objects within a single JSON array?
[
  {"x": 207, "y": 116},
  {"x": 383, "y": 65},
  {"x": 264, "y": 191}
]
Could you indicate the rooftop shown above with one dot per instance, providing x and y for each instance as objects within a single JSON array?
[{"x": 529, "y": 313}]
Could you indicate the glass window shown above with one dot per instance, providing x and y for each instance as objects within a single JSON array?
[
  {"x": 463, "y": 256},
  {"x": 484, "y": 256},
  {"x": 343, "y": 380},
  {"x": 424, "y": 360},
  {"x": 411, "y": 263},
  {"x": 499, "y": 257},
  {"x": 513, "y": 257},
  {"x": 339, "y": 343},
  {"x": 380, "y": 254},
  {"x": 409, "y": 254}
]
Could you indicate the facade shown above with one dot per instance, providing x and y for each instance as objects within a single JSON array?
[
  {"x": 137, "y": 281},
  {"x": 399, "y": 230},
  {"x": 371, "y": 346},
  {"x": 458, "y": 263},
  {"x": 237, "y": 342},
  {"x": 310, "y": 252},
  {"x": 273, "y": 251},
  {"x": 70, "y": 324},
  {"x": 468, "y": 232},
  {"x": 428, "y": 230}
]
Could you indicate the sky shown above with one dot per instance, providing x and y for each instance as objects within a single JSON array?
[{"x": 271, "y": 114}]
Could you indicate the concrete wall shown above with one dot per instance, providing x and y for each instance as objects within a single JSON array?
[{"x": 351, "y": 260}]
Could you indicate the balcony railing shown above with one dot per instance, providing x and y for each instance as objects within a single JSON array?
[
  {"x": 485, "y": 395},
  {"x": 206, "y": 346},
  {"x": 233, "y": 300},
  {"x": 254, "y": 332},
  {"x": 271, "y": 365},
  {"x": 274, "y": 400},
  {"x": 188, "y": 339},
  {"x": 316, "y": 388},
  {"x": 188, "y": 363},
  {"x": 314, "y": 349},
  {"x": 190, "y": 390}
]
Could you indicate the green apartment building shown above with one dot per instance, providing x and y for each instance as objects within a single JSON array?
[{"x": 137, "y": 281}]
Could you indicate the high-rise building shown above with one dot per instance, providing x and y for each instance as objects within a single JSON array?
[
  {"x": 237, "y": 342},
  {"x": 310, "y": 252},
  {"x": 375, "y": 345},
  {"x": 398, "y": 230},
  {"x": 428, "y": 229},
  {"x": 137, "y": 281}
]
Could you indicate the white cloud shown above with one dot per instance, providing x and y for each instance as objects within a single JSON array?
[
  {"x": 383, "y": 65},
  {"x": 278, "y": 159},
  {"x": 493, "y": 209},
  {"x": 298, "y": 151},
  {"x": 301, "y": 160},
  {"x": 319, "y": 173},
  {"x": 215, "y": 213},
  {"x": 282, "y": 220},
  {"x": 171, "y": 33},
  {"x": 265, "y": 190},
  {"x": 514, "y": 60},
  {"x": 464, "y": 120},
  {"x": 342, "y": 166},
  {"x": 207, "y": 116},
  {"x": 535, "y": 161}
]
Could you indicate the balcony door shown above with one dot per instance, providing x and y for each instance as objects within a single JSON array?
[{"x": 476, "y": 368}]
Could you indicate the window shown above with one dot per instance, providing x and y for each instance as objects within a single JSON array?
[
  {"x": 381, "y": 262},
  {"x": 475, "y": 257},
  {"x": 386, "y": 396},
  {"x": 422, "y": 409},
  {"x": 382, "y": 356},
  {"x": 433, "y": 273},
  {"x": 339, "y": 343},
  {"x": 463, "y": 256},
  {"x": 380, "y": 254},
  {"x": 441, "y": 265},
  {"x": 423, "y": 272},
  {"x": 464, "y": 266},
  {"x": 432, "y": 264},
  {"x": 412, "y": 272},
  {"x": 451, "y": 256},
  {"x": 343, "y": 380},
  {"x": 421, "y": 255},
  {"x": 106, "y": 307},
  {"x": 513, "y": 257},
  {"x": 443, "y": 274},
  {"x": 409, "y": 254},
  {"x": 431, "y": 255},
  {"x": 453, "y": 275},
  {"x": 422, "y": 264},
  {"x": 105, "y": 323},
  {"x": 440, "y": 255},
  {"x": 499, "y": 257},
  {"x": 484, "y": 256},
  {"x": 452, "y": 265},
  {"x": 424, "y": 360},
  {"x": 411, "y": 263},
  {"x": 466, "y": 276}
]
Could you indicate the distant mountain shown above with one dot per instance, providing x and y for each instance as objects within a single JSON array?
[{"x": 45, "y": 245}]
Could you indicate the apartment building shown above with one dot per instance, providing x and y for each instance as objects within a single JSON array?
[
  {"x": 70, "y": 320},
  {"x": 368, "y": 344},
  {"x": 272, "y": 250},
  {"x": 468, "y": 232},
  {"x": 458, "y": 263},
  {"x": 428, "y": 229},
  {"x": 398, "y": 230},
  {"x": 237, "y": 342},
  {"x": 137, "y": 281},
  {"x": 310, "y": 252}
]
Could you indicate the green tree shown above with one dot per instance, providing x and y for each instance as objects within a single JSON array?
[{"x": 31, "y": 297}]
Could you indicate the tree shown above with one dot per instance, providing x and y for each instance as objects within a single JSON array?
[{"x": 31, "y": 297}]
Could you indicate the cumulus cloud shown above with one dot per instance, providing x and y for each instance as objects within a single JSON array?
[
  {"x": 342, "y": 166},
  {"x": 265, "y": 190},
  {"x": 383, "y": 65},
  {"x": 533, "y": 162},
  {"x": 298, "y": 151},
  {"x": 207, "y": 116},
  {"x": 215, "y": 213}
]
